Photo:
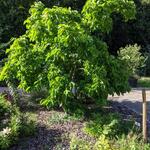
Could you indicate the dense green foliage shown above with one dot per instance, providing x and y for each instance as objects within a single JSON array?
[
  {"x": 97, "y": 14},
  {"x": 131, "y": 54},
  {"x": 58, "y": 52},
  {"x": 4, "y": 106},
  {"x": 131, "y": 142},
  {"x": 13, "y": 13},
  {"x": 144, "y": 82},
  {"x": 111, "y": 125},
  {"x": 13, "y": 124}
]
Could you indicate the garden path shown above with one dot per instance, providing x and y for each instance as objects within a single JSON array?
[
  {"x": 2, "y": 89},
  {"x": 133, "y": 100}
]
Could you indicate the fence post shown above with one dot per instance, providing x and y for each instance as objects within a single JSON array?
[{"x": 144, "y": 115}]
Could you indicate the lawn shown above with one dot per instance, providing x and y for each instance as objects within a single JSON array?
[{"x": 144, "y": 82}]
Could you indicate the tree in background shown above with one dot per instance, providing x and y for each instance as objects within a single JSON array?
[
  {"x": 12, "y": 15},
  {"x": 61, "y": 51},
  {"x": 133, "y": 31}
]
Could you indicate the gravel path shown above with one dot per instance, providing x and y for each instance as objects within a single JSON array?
[
  {"x": 2, "y": 89},
  {"x": 133, "y": 100}
]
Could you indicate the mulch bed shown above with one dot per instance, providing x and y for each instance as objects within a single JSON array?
[
  {"x": 57, "y": 136},
  {"x": 49, "y": 137}
]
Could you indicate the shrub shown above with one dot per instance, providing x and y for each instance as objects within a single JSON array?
[
  {"x": 109, "y": 132},
  {"x": 13, "y": 125},
  {"x": 146, "y": 69},
  {"x": 102, "y": 143},
  {"x": 131, "y": 142},
  {"x": 5, "y": 140},
  {"x": 111, "y": 125},
  {"x": 59, "y": 51},
  {"x": 5, "y": 106},
  {"x": 79, "y": 144},
  {"x": 9, "y": 132},
  {"x": 27, "y": 127},
  {"x": 134, "y": 59},
  {"x": 144, "y": 82}
]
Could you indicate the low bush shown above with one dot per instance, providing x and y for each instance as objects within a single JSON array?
[
  {"x": 27, "y": 127},
  {"x": 134, "y": 59},
  {"x": 4, "y": 106},
  {"x": 108, "y": 132},
  {"x": 111, "y": 125},
  {"x": 130, "y": 142},
  {"x": 79, "y": 144},
  {"x": 9, "y": 131},
  {"x": 144, "y": 82},
  {"x": 13, "y": 124}
]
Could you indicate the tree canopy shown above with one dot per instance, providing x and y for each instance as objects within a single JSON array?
[{"x": 60, "y": 51}]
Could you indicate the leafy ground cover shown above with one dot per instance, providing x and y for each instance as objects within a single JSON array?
[
  {"x": 144, "y": 82},
  {"x": 13, "y": 123}
]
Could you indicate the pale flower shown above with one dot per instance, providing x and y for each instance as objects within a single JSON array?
[{"x": 6, "y": 131}]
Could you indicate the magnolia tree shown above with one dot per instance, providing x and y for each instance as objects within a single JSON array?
[{"x": 61, "y": 51}]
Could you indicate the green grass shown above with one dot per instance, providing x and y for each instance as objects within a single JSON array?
[{"x": 144, "y": 82}]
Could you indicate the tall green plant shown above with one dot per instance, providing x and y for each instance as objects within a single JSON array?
[{"x": 60, "y": 52}]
